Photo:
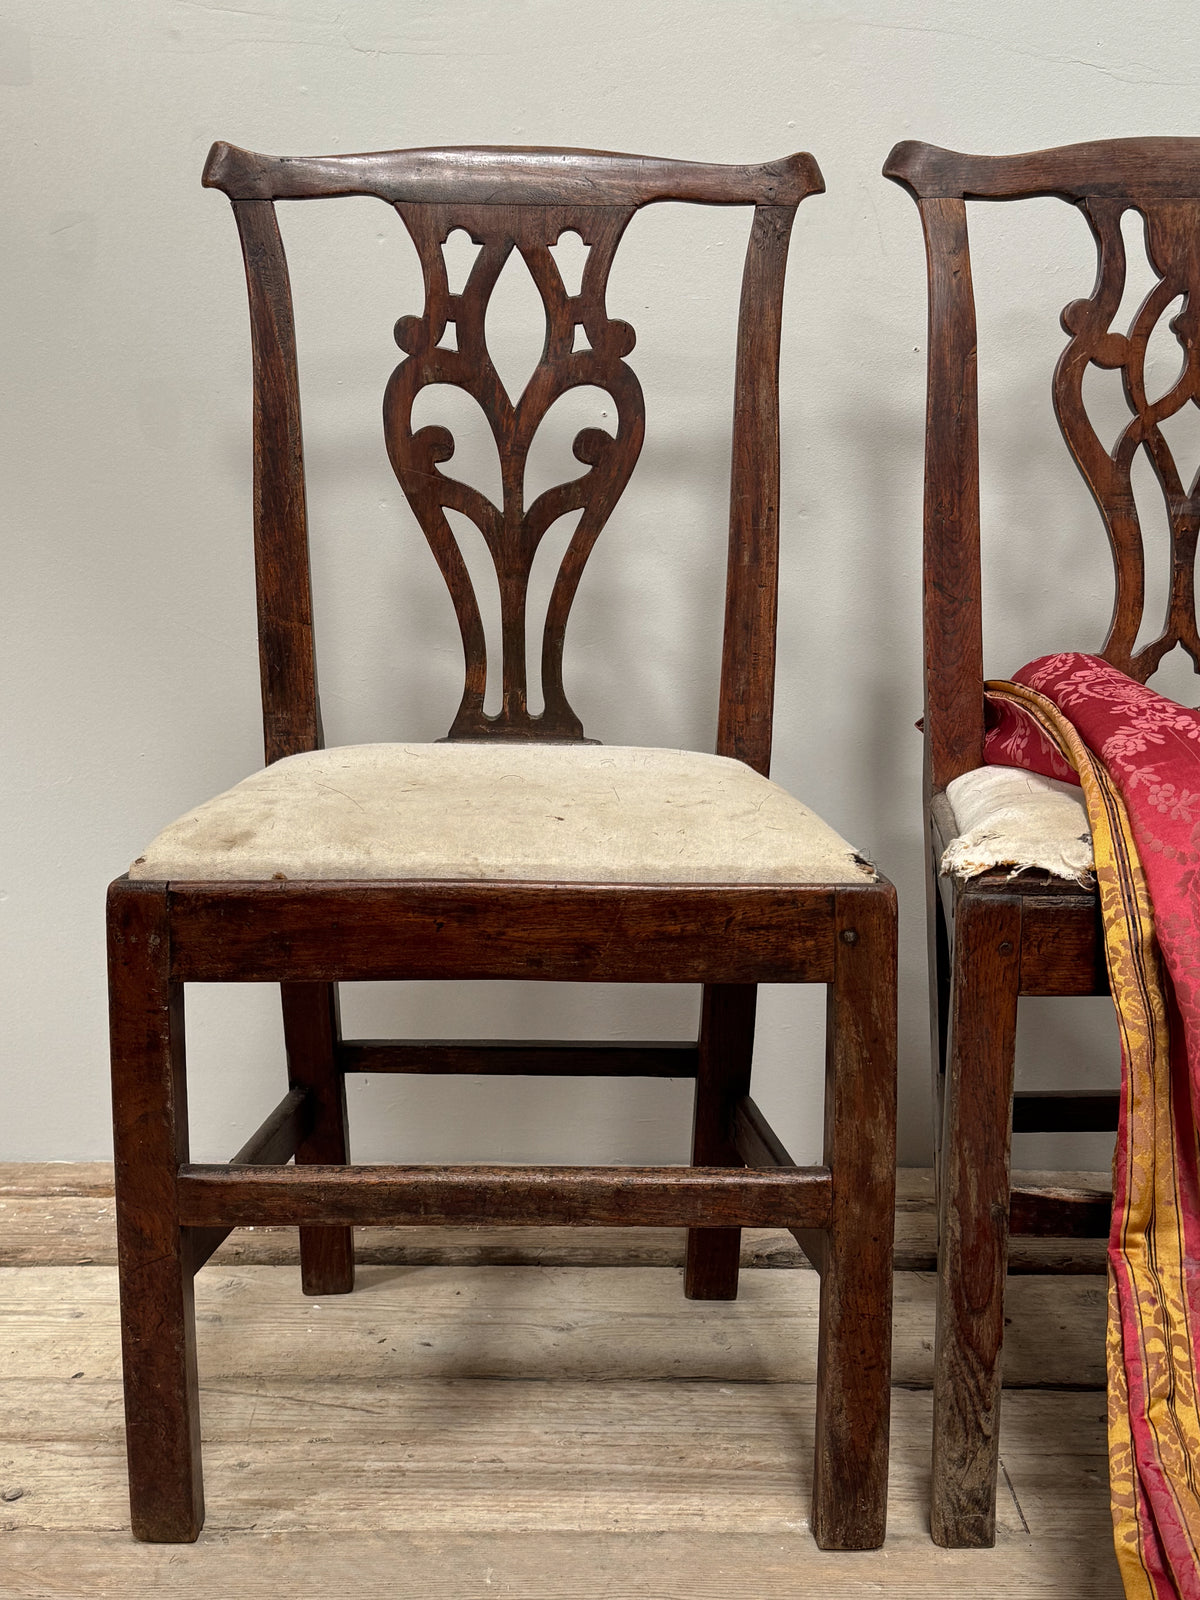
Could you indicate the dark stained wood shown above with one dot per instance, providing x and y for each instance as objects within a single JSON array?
[
  {"x": 973, "y": 1220},
  {"x": 754, "y": 1139},
  {"x": 937, "y": 922},
  {"x": 953, "y": 623},
  {"x": 1172, "y": 229},
  {"x": 311, "y": 1026},
  {"x": 660, "y": 1197},
  {"x": 276, "y": 1139},
  {"x": 513, "y": 531},
  {"x": 1052, "y": 929},
  {"x": 491, "y": 175},
  {"x": 1062, "y": 944},
  {"x": 1060, "y": 1212},
  {"x": 62, "y": 1215},
  {"x": 150, "y": 1138},
  {"x": 286, "y": 652},
  {"x": 514, "y": 201},
  {"x": 726, "y": 1049},
  {"x": 616, "y": 933},
  {"x": 310, "y": 936},
  {"x": 564, "y": 1058},
  {"x": 281, "y": 1133},
  {"x": 752, "y": 580},
  {"x": 854, "y": 1342},
  {"x": 758, "y": 1145},
  {"x": 1154, "y": 168}
]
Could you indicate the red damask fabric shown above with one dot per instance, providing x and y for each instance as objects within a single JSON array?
[{"x": 1138, "y": 755}]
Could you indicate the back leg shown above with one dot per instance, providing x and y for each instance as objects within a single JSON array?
[
  {"x": 311, "y": 1029},
  {"x": 722, "y": 1079}
]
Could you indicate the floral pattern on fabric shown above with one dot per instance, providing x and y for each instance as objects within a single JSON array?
[
  {"x": 1014, "y": 739},
  {"x": 1137, "y": 756}
]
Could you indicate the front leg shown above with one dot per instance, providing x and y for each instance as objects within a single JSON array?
[{"x": 158, "y": 1323}]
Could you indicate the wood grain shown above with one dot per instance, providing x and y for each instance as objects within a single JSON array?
[
  {"x": 698, "y": 1564},
  {"x": 616, "y": 933},
  {"x": 669, "y": 1197},
  {"x": 311, "y": 1025},
  {"x": 500, "y": 1456},
  {"x": 1155, "y": 168},
  {"x": 389, "y": 1459},
  {"x": 510, "y": 176},
  {"x": 726, "y": 1049},
  {"x": 534, "y": 1324},
  {"x": 973, "y": 1220},
  {"x": 747, "y": 698},
  {"x": 150, "y": 1139},
  {"x": 855, "y": 1336},
  {"x": 953, "y": 626},
  {"x": 286, "y": 648}
]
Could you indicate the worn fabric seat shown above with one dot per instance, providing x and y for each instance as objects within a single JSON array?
[
  {"x": 569, "y": 813},
  {"x": 1009, "y": 817}
]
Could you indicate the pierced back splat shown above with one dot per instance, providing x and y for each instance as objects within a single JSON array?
[
  {"x": 513, "y": 530},
  {"x": 1173, "y": 249},
  {"x": 1159, "y": 179},
  {"x": 510, "y": 200}
]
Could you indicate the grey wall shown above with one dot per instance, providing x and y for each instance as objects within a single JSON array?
[{"x": 129, "y": 672}]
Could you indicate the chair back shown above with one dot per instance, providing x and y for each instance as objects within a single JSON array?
[
  {"x": 506, "y": 200},
  {"x": 1160, "y": 179}
]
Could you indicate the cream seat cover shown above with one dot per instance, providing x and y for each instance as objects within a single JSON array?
[
  {"x": 1007, "y": 817},
  {"x": 580, "y": 813}
]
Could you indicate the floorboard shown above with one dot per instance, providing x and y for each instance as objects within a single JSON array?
[
  {"x": 546, "y": 1430},
  {"x": 60, "y": 1214}
]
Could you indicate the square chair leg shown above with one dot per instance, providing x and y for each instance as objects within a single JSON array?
[
  {"x": 973, "y": 1220},
  {"x": 158, "y": 1325},
  {"x": 310, "y": 1031},
  {"x": 855, "y": 1334},
  {"x": 722, "y": 1079}
]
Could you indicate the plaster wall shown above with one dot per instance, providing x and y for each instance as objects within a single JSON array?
[{"x": 129, "y": 675}]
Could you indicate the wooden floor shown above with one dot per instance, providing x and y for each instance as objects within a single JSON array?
[{"x": 491, "y": 1414}]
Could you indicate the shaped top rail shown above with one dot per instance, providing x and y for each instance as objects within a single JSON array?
[
  {"x": 498, "y": 175},
  {"x": 1153, "y": 168}
]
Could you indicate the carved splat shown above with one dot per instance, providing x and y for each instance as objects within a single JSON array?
[
  {"x": 1172, "y": 233},
  {"x": 513, "y": 530},
  {"x": 508, "y": 200}
]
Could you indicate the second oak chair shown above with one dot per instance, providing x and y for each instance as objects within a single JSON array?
[{"x": 995, "y": 937}]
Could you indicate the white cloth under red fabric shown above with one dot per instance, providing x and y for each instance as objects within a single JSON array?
[{"x": 1007, "y": 817}]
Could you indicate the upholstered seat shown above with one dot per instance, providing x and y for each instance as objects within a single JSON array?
[
  {"x": 1008, "y": 817},
  {"x": 569, "y": 813}
]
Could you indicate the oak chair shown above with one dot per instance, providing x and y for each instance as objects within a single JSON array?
[
  {"x": 407, "y": 861},
  {"x": 995, "y": 937}
]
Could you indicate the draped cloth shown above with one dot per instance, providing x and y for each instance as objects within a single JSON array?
[{"x": 1137, "y": 757}]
